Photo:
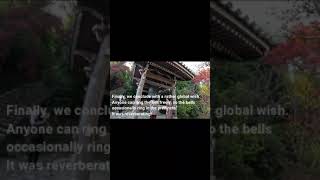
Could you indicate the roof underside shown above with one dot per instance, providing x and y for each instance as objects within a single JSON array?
[
  {"x": 233, "y": 36},
  {"x": 174, "y": 68}
]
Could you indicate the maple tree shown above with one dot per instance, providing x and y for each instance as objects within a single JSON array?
[
  {"x": 302, "y": 51},
  {"x": 202, "y": 76},
  {"x": 301, "y": 48},
  {"x": 202, "y": 79}
]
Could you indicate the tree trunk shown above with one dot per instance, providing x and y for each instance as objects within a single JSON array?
[{"x": 93, "y": 99}]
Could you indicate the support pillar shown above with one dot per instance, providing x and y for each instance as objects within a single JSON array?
[
  {"x": 93, "y": 100},
  {"x": 175, "y": 116},
  {"x": 140, "y": 89},
  {"x": 153, "y": 106}
]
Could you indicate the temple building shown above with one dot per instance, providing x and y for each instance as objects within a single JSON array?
[
  {"x": 233, "y": 38},
  {"x": 159, "y": 78}
]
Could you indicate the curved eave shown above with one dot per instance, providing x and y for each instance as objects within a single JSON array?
[
  {"x": 184, "y": 69},
  {"x": 183, "y": 72},
  {"x": 240, "y": 25}
]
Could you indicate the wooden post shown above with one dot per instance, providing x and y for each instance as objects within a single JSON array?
[
  {"x": 168, "y": 111},
  {"x": 140, "y": 89},
  {"x": 175, "y": 116},
  {"x": 93, "y": 99},
  {"x": 75, "y": 37}
]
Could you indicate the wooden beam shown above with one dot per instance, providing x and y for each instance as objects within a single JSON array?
[
  {"x": 93, "y": 12},
  {"x": 154, "y": 83},
  {"x": 166, "y": 70},
  {"x": 159, "y": 78},
  {"x": 159, "y": 73},
  {"x": 76, "y": 32},
  {"x": 157, "y": 84},
  {"x": 87, "y": 55}
]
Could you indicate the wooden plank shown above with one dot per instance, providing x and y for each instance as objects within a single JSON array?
[{"x": 159, "y": 78}]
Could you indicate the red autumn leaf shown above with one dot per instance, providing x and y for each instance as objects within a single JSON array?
[
  {"x": 303, "y": 43},
  {"x": 202, "y": 76}
]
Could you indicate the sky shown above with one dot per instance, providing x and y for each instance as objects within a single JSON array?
[{"x": 192, "y": 65}]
